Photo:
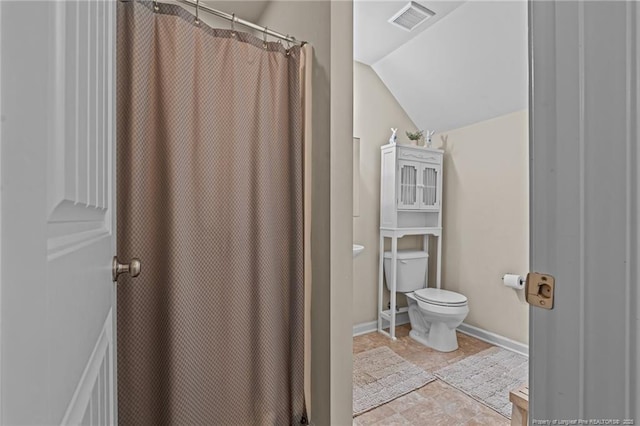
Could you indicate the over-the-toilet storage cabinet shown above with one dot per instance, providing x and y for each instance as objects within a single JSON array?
[
  {"x": 411, "y": 187},
  {"x": 410, "y": 204}
]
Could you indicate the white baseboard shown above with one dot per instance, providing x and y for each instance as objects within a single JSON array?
[
  {"x": 494, "y": 339},
  {"x": 478, "y": 333},
  {"x": 371, "y": 326},
  {"x": 364, "y": 328}
]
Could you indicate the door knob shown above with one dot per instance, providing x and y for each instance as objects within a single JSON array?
[{"x": 118, "y": 268}]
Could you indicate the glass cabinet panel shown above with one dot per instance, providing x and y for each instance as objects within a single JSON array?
[
  {"x": 429, "y": 187},
  {"x": 408, "y": 185}
]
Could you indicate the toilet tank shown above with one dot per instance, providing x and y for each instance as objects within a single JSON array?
[{"x": 412, "y": 270}]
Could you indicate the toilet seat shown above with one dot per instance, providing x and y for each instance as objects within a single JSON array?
[{"x": 439, "y": 297}]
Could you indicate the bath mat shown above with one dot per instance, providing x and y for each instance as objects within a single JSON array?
[
  {"x": 380, "y": 376},
  {"x": 488, "y": 377}
]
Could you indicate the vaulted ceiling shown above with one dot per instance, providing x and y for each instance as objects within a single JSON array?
[{"x": 467, "y": 64}]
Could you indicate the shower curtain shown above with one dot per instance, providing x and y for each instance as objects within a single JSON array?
[{"x": 210, "y": 146}]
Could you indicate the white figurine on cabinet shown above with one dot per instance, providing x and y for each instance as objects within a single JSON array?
[
  {"x": 428, "y": 136},
  {"x": 394, "y": 137}
]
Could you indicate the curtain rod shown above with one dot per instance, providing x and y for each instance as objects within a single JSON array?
[{"x": 233, "y": 18}]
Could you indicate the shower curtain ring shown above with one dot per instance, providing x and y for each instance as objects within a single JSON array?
[
  {"x": 233, "y": 24},
  {"x": 197, "y": 10},
  {"x": 264, "y": 37},
  {"x": 288, "y": 50},
  {"x": 155, "y": 5}
]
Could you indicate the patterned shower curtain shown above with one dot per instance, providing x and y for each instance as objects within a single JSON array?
[{"x": 210, "y": 198}]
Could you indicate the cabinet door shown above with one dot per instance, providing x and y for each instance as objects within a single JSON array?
[
  {"x": 428, "y": 194},
  {"x": 408, "y": 176}
]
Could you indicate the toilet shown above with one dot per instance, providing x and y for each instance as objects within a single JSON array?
[{"x": 434, "y": 313}]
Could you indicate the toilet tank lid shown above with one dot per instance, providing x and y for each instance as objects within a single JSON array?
[{"x": 408, "y": 254}]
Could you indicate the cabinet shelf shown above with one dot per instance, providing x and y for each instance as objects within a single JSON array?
[{"x": 386, "y": 314}]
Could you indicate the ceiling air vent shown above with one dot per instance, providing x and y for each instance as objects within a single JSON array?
[{"x": 410, "y": 16}]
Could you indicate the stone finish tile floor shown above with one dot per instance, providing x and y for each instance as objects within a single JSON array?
[{"x": 436, "y": 403}]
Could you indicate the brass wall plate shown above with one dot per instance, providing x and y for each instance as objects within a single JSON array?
[{"x": 540, "y": 289}]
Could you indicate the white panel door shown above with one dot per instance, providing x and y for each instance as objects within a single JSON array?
[
  {"x": 584, "y": 353},
  {"x": 57, "y": 212}
]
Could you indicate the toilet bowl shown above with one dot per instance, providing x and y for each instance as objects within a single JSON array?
[{"x": 434, "y": 313}]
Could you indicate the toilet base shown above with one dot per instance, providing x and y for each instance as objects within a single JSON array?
[
  {"x": 439, "y": 337},
  {"x": 435, "y": 326}
]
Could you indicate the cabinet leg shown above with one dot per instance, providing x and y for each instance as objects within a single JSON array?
[
  {"x": 380, "y": 281},
  {"x": 439, "y": 262},
  {"x": 394, "y": 276},
  {"x": 425, "y": 247}
]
